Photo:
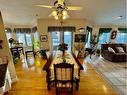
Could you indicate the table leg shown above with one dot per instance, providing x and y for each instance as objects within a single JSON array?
[
  {"x": 48, "y": 79},
  {"x": 77, "y": 84}
]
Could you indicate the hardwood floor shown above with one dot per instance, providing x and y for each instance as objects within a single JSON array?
[{"x": 32, "y": 80}]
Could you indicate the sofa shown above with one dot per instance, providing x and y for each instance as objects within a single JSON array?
[{"x": 112, "y": 53}]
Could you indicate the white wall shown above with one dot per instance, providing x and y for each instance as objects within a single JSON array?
[
  {"x": 44, "y": 23},
  {"x": 5, "y": 51}
]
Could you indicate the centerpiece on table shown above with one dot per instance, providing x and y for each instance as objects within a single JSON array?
[
  {"x": 63, "y": 47},
  {"x": 11, "y": 41}
]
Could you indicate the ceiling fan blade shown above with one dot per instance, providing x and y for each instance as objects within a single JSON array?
[
  {"x": 50, "y": 15},
  {"x": 74, "y": 8},
  {"x": 60, "y": 2},
  {"x": 45, "y": 6}
]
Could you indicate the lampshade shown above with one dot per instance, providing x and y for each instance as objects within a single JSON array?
[
  {"x": 56, "y": 17},
  {"x": 64, "y": 13},
  {"x": 60, "y": 14}
]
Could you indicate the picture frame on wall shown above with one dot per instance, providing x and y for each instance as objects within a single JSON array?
[
  {"x": 113, "y": 34},
  {"x": 43, "y": 38},
  {"x": 80, "y": 37}
]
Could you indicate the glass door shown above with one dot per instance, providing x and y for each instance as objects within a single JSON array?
[
  {"x": 68, "y": 39},
  {"x": 55, "y": 40}
]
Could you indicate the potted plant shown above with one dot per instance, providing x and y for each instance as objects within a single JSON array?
[
  {"x": 63, "y": 47},
  {"x": 11, "y": 40}
]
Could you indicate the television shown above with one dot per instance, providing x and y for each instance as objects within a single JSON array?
[{"x": 80, "y": 37}]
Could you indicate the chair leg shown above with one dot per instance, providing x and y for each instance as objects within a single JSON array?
[
  {"x": 56, "y": 91},
  {"x": 26, "y": 55},
  {"x": 34, "y": 54},
  {"x": 71, "y": 91}
]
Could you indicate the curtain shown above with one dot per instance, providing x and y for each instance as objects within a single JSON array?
[
  {"x": 65, "y": 28},
  {"x": 88, "y": 36},
  {"x": 22, "y": 30}
]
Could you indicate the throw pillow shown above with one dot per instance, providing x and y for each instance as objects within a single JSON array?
[
  {"x": 111, "y": 49},
  {"x": 120, "y": 50}
]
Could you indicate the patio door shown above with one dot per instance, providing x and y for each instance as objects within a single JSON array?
[
  {"x": 55, "y": 40},
  {"x": 59, "y": 37},
  {"x": 68, "y": 36}
]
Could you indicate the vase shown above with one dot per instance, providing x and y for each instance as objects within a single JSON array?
[{"x": 63, "y": 53}]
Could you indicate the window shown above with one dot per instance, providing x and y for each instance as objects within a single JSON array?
[
  {"x": 121, "y": 36},
  {"x": 24, "y": 36},
  {"x": 68, "y": 39},
  {"x": 61, "y": 34},
  {"x": 28, "y": 39},
  {"x": 104, "y": 36},
  {"x": 55, "y": 40},
  {"x": 21, "y": 37},
  {"x": 8, "y": 34},
  {"x": 36, "y": 40}
]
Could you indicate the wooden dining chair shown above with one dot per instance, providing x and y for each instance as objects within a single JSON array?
[
  {"x": 47, "y": 54},
  {"x": 29, "y": 51},
  {"x": 64, "y": 73},
  {"x": 15, "y": 52}
]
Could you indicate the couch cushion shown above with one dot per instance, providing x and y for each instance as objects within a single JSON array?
[
  {"x": 111, "y": 49},
  {"x": 120, "y": 50}
]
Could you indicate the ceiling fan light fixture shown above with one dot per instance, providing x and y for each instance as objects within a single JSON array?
[
  {"x": 56, "y": 17},
  {"x": 64, "y": 17},
  {"x": 60, "y": 9},
  {"x": 64, "y": 12},
  {"x": 54, "y": 13}
]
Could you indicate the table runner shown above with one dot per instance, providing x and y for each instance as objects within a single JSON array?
[{"x": 58, "y": 59}]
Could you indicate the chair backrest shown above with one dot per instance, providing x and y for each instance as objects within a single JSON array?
[
  {"x": 14, "y": 50},
  {"x": 47, "y": 54},
  {"x": 76, "y": 53},
  {"x": 64, "y": 72},
  {"x": 3, "y": 69},
  {"x": 20, "y": 44}
]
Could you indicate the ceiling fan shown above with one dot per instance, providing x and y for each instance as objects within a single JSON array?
[{"x": 60, "y": 9}]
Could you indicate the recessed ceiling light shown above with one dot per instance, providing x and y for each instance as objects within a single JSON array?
[
  {"x": 5, "y": 30},
  {"x": 119, "y": 17}
]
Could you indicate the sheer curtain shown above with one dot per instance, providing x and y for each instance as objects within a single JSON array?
[{"x": 88, "y": 36}]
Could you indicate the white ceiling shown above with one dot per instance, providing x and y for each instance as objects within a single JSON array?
[{"x": 101, "y": 12}]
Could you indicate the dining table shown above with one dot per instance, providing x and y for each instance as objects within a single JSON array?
[{"x": 56, "y": 57}]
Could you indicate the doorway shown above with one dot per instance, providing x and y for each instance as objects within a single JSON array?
[{"x": 58, "y": 37}]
